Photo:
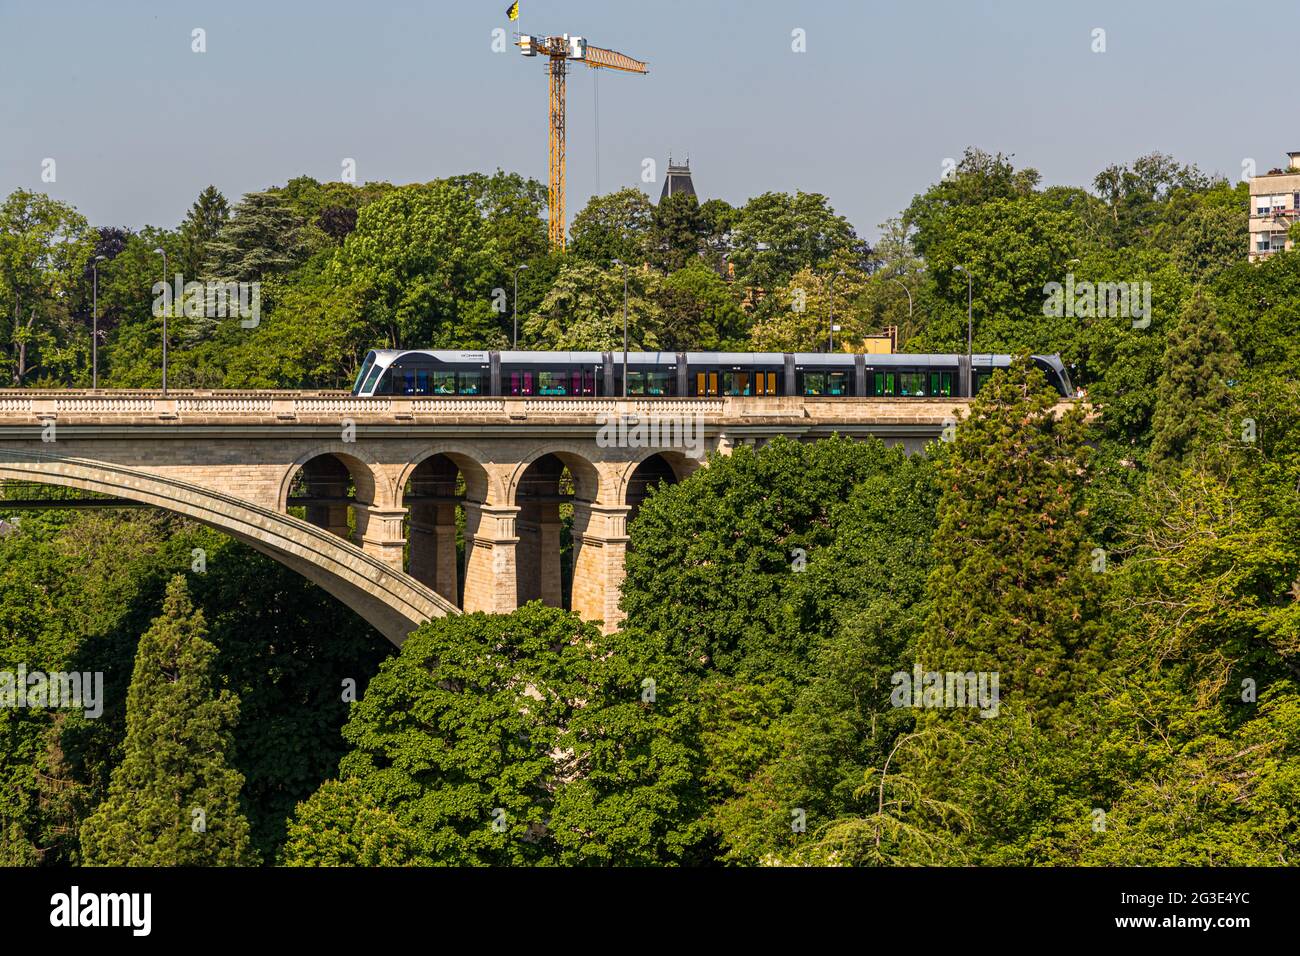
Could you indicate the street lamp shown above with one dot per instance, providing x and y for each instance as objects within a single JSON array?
[
  {"x": 94, "y": 326},
  {"x": 515, "y": 304},
  {"x": 831, "y": 344},
  {"x": 624, "y": 265},
  {"x": 909, "y": 297},
  {"x": 970, "y": 370},
  {"x": 163, "y": 252},
  {"x": 969, "y": 297}
]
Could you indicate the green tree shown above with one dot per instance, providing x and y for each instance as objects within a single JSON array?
[
  {"x": 424, "y": 269},
  {"x": 764, "y": 550},
  {"x": 514, "y": 214},
  {"x": 342, "y": 825},
  {"x": 584, "y": 311},
  {"x": 174, "y": 800},
  {"x": 614, "y": 226},
  {"x": 699, "y": 311},
  {"x": 44, "y": 247},
  {"x": 260, "y": 239},
  {"x": 677, "y": 232},
  {"x": 775, "y": 235},
  {"x": 1199, "y": 366},
  {"x": 1008, "y": 592},
  {"x": 797, "y": 316},
  {"x": 1012, "y": 247},
  {"x": 1134, "y": 193},
  {"x": 978, "y": 178},
  {"x": 199, "y": 230},
  {"x": 525, "y": 739}
]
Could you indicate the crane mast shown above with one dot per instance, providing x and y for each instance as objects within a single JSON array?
[{"x": 559, "y": 50}]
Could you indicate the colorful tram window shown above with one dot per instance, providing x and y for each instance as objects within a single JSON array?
[
  {"x": 734, "y": 383},
  {"x": 911, "y": 383},
  {"x": 432, "y": 381},
  {"x": 653, "y": 384},
  {"x": 548, "y": 383},
  {"x": 825, "y": 383}
]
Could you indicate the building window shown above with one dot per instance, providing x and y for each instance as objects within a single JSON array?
[{"x": 1270, "y": 241}]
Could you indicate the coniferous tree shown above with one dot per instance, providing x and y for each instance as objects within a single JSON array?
[
  {"x": 201, "y": 227},
  {"x": 173, "y": 800},
  {"x": 261, "y": 238},
  {"x": 1008, "y": 589},
  {"x": 1193, "y": 392},
  {"x": 677, "y": 231}
]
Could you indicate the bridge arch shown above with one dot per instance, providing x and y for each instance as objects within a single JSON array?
[
  {"x": 481, "y": 484},
  {"x": 587, "y": 482},
  {"x": 361, "y": 465},
  {"x": 681, "y": 465},
  {"x": 392, "y": 602},
  {"x": 437, "y": 523}
]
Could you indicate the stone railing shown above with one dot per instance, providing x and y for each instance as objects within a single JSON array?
[
  {"x": 21, "y": 408},
  {"x": 349, "y": 406},
  {"x": 223, "y": 406},
  {"x": 568, "y": 406},
  {"x": 457, "y": 406},
  {"x": 100, "y": 406}
]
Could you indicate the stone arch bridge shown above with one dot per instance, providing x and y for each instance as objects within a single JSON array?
[{"x": 411, "y": 508}]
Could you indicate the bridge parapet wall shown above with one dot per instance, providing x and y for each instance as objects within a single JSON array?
[{"x": 240, "y": 408}]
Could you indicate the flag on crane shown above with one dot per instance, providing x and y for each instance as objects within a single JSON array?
[{"x": 512, "y": 11}]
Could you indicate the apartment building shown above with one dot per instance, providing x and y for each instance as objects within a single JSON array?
[{"x": 1274, "y": 206}]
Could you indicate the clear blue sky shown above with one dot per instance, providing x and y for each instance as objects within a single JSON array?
[{"x": 138, "y": 123}]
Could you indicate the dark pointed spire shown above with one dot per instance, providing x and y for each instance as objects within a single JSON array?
[{"x": 678, "y": 179}]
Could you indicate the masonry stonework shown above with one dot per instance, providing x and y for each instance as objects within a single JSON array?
[{"x": 242, "y": 461}]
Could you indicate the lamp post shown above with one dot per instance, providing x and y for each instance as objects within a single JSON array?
[
  {"x": 970, "y": 357},
  {"x": 94, "y": 325},
  {"x": 909, "y": 297},
  {"x": 969, "y": 298},
  {"x": 624, "y": 265},
  {"x": 515, "y": 304},
  {"x": 163, "y": 252},
  {"x": 831, "y": 343}
]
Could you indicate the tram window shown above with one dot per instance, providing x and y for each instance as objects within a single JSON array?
[
  {"x": 365, "y": 370},
  {"x": 374, "y": 375},
  {"x": 706, "y": 383},
  {"x": 735, "y": 383},
  {"x": 444, "y": 383},
  {"x": 654, "y": 384},
  {"x": 551, "y": 383},
  {"x": 825, "y": 383},
  {"x": 941, "y": 384},
  {"x": 911, "y": 384},
  {"x": 469, "y": 383},
  {"x": 521, "y": 383}
]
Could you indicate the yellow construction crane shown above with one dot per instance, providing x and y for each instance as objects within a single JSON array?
[{"x": 559, "y": 51}]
